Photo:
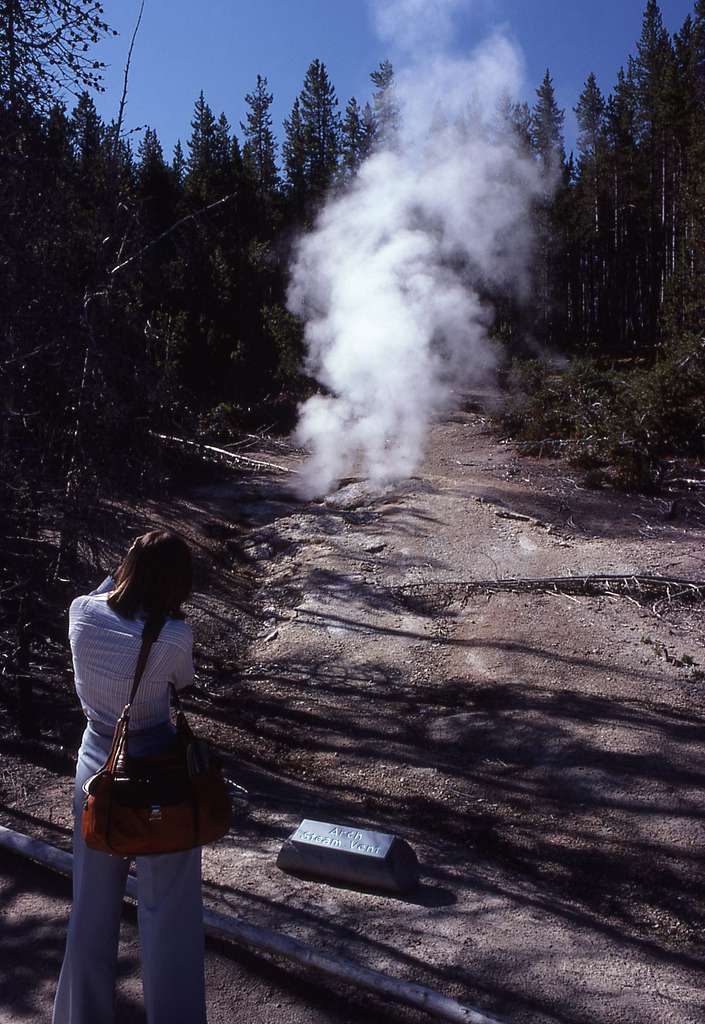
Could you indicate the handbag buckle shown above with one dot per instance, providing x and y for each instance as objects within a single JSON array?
[{"x": 155, "y": 813}]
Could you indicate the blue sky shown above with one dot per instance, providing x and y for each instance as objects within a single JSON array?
[{"x": 220, "y": 46}]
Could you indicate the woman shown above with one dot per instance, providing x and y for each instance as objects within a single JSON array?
[{"x": 105, "y": 632}]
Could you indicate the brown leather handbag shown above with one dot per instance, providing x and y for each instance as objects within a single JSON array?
[{"x": 136, "y": 806}]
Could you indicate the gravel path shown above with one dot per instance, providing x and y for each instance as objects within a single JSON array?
[
  {"x": 241, "y": 988},
  {"x": 542, "y": 752}
]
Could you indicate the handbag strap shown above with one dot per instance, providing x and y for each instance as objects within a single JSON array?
[
  {"x": 119, "y": 745},
  {"x": 149, "y": 635}
]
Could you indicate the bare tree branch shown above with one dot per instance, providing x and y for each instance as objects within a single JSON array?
[
  {"x": 164, "y": 234},
  {"x": 123, "y": 98}
]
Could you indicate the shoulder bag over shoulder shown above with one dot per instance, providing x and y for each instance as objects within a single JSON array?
[{"x": 173, "y": 801}]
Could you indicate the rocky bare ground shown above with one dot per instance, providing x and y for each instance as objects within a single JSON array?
[{"x": 541, "y": 751}]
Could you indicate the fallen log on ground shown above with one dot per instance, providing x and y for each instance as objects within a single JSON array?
[
  {"x": 222, "y": 453},
  {"x": 264, "y": 940}
]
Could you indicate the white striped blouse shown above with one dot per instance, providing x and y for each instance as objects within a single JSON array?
[{"x": 105, "y": 647}]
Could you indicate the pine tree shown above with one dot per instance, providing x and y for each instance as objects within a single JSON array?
[
  {"x": 157, "y": 185},
  {"x": 551, "y": 265},
  {"x": 294, "y": 154},
  {"x": 699, "y": 53},
  {"x": 312, "y": 142},
  {"x": 653, "y": 71},
  {"x": 58, "y": 141},
  {"x": 202, "y": 163},
  {"x": 321, "y": 130},
  {"x": 685, "y": 297},
  {"x": 178, "y": 163},
  {"x": 354, "y": 139},
  {"x": 384, "y": 105},
  {"x": 368, "y": 129},
  {"x": 622, "y": 296},
  {"x": 590, "y": 113},
  {"x": 236, "y": 161},
  {"x": 259, "y": 149},
  {"x": 101, "y": 169},
  {"x": 150, "y": 155},
  {"x": 87, "y": 132},
  {"x": 695, "y": 224},
  {"x": 222, "y": 146},
  {"x": 520, "y": 120},
  {"x": 547, "y": 128},
  {"x": 226, "y": 178},
  {"x": 591, "y": 213}
]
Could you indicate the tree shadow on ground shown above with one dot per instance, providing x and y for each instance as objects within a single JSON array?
[
  {"x": 34, "y": 908},
  {"x": 594, "y": 804},
  {"x": 583, "y": 512},
  {"x": 479, "y": 983}
]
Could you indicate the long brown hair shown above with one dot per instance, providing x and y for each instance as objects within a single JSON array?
[{"x": 154, "y": 579}]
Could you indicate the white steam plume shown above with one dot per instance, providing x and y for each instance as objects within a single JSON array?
[
  {"x": 389, "y": 282},
  {"x": 409, "y": 25}
]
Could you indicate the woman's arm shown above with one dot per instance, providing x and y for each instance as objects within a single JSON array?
[{"x": 183, "y": 671}]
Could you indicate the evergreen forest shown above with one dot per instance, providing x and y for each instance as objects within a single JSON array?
[{"x": 144, "y": 292}]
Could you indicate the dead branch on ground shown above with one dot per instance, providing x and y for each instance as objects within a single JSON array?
[
  {"x": 643, "y": 585},
  {"x": 263, "y": 439},
  {"x": 211, "y": 451}
]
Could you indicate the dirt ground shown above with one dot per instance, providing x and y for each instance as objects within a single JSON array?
[{"x": 541, "y": 751}]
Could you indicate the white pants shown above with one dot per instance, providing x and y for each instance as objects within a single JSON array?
[{"x": 169, "y": 914}]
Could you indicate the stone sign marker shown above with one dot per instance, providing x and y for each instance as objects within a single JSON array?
[{"x": 351, "y": 856}]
